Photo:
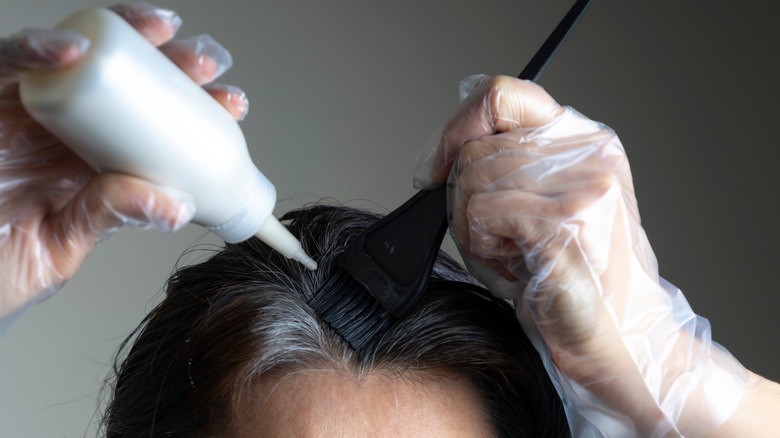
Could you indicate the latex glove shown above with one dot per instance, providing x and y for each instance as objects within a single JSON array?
[
  {"x": 53, "y": 207},
  {"x": 544, "y": 212}
]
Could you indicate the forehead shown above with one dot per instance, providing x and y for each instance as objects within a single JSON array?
[{"x": 327, "y": 403}]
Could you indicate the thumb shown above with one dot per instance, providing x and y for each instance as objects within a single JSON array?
[
  {"x": 105, "y": 204},
  {"x": 492, "y": 106}
]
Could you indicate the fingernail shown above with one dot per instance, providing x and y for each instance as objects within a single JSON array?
[
  {"x": 143, "y": 9},
  {"x": 69, "y": 37},
  {"x": 245, "y": 111},
  {"x": 205, "y": 45},
  {"x": 170, "y": 16},
  {"x": 51, "y": 45},
  {"x": 240, "y": 95},
  {"x": 234, "y": 94}
]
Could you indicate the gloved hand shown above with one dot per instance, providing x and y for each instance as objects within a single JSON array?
[
  {"x": 544, "y": 212},
  {"x": 53, "y": 207}
]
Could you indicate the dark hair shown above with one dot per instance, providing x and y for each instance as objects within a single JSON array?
[{"x": 242, "y": 315}]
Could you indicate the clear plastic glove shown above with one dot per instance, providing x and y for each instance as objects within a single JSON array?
[
  {"x": 544, "y": 212},
  {"x": 53, "y": 207}
]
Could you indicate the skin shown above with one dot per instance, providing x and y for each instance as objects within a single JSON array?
[{"x": 328, "y": 403}]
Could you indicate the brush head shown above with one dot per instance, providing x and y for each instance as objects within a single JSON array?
[
  {"x": 348, "y": 308},
  {"x": 385, "y": 270}
]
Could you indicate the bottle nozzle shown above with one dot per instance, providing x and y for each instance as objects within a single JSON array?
[
  {"x": 279, "y": 238},
  {"x": 304, "y": 258}
]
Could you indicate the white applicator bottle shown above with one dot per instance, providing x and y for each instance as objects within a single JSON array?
[{"x": 125, "y": 107}]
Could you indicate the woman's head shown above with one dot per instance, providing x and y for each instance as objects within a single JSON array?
[{"x": 235, "y": 345}]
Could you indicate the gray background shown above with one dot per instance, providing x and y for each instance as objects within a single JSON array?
[{"x": 344, "y": 94}]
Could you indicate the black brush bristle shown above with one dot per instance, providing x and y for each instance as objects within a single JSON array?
[{"x": 349, "y": 309}]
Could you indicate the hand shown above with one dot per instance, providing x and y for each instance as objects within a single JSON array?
[
  {"x": 544, "y": 212},
  {"x": 53, "y": 207}
]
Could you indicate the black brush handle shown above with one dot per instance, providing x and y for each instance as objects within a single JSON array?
[
  {"x": 394, "y": 257},
  {"x": 537, "y": 64}
]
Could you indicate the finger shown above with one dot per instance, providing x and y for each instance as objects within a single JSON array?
[
  {"x": 489, "y": 148},
  {"x": 523, "y": 171},
  {"x": 491, "y": 253},
  {"x": 569, "y": 132},
  {"x": 507, "y": 222},
  {"x": 39, "y": 49},
  {"x": 512, "y": 233},
  {"x": 111, "y": 200},
  {"x": 497, "y": 105},
  {"x": 517, "y": 232},
  {"x": 499, "y": 223},
  {"x": 231, "y": 97},
  {"x": 201, "y": 57},
  {"x": 547, "y": 166},
  {"x": 157, "y": 25},
  {"x": 506, "y": 172},
  {"x": 106, "y": 203},
  {"x": 491, "y": 162}
]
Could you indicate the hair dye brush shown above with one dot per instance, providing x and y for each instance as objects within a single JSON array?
[{"x": 385, "y": 271}]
